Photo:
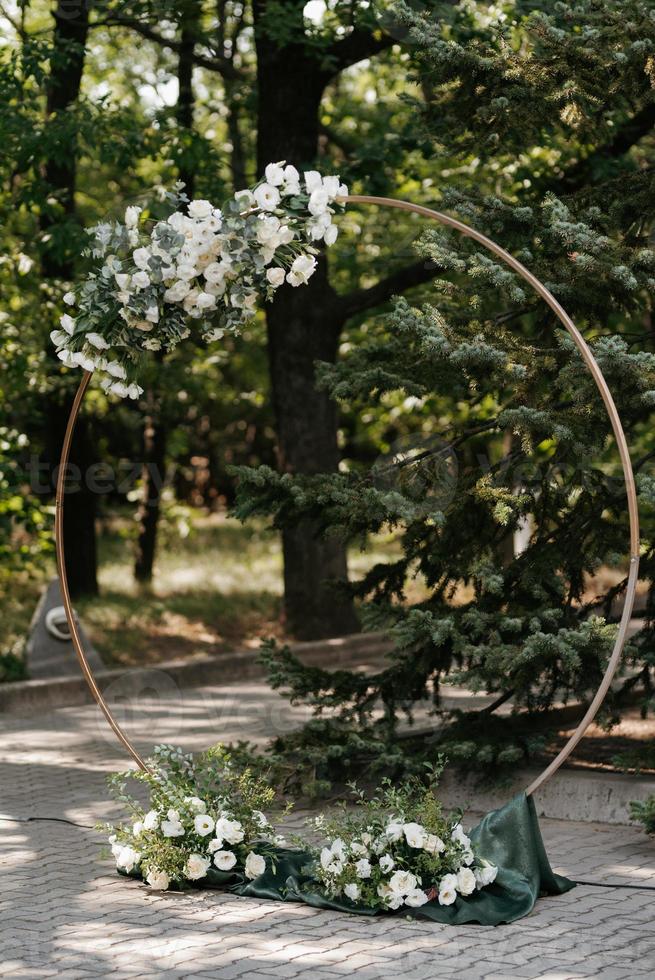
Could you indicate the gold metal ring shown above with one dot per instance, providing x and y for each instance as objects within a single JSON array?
[{"x": 596, "y": 373}]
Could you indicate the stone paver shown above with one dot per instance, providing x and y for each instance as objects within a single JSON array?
[{"x": 64, "y": 913}]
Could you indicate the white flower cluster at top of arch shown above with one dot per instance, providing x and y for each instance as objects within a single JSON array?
[{"x": 153, "y": 278}]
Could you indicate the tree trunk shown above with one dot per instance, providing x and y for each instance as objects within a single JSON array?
[
  {"x": 66, "y": 67},
  {"x": 154, "y": 463},
  {"x": 301, "y": 331}
]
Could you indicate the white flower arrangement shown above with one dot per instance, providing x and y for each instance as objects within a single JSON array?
[
  {"x": 398, "y": 849},
  {"x": 205, "y": 821},
  {"x": 154, "y": 280}
]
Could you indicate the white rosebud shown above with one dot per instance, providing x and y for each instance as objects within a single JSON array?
[
  {"x": 59, "y": 338},
  {"x": 158, "y": 880},
  {"x": 447, "y": 890},
  {"x": 302, "y": 269},
  {"x": 196, "y": 804},
  {"x": 134, "y": 391},
  {"x": 97, "y": 341},
  {"x": 465, "y": 881},
  {"x": 255, "y": 865},
  {"x": 69, "y": 299},
  {"x": 352, "y": 891},
  {"x": 151, "y": 820},
  {"x": 459, "y": 836},
  {"x": 275, "y": 276},
  {"x": 486, "y": 874},
  {"x": 225, "y": 860},
  {"x": 67, "y": 358},
  {"x": 196, "y": 867},
  {"x": 275, "y": 173},
  {"x": 67, "y": 322},
  {"x": 137, "y": 827},
  {"x": 132, "y": 216},
  {"x": 116, "y": 370},
  {"x": 331, "y": 235}
]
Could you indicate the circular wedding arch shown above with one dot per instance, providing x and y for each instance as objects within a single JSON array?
[{"x": 615, "y": 420}]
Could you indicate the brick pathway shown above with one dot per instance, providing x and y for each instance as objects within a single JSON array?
[{"x": 64, "y": 913}]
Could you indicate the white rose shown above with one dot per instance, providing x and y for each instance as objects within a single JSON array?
[
  {"x": 363, "y": 868},
  {"x": 414, "y": 834},
  {"x": 416, "y": 898},
  {"x": 177, "y": 292},
  {"x": 275, "y": 173},
  {"x": 214, "y": 845},
  {"x": 387, "y": 863},
  {"x": 158, "y": 880},
  {"x": 214, "y": 272},
  {"x": 203, "y": 824},
  {"x": 229, "y": 830},
  {"x": 97, "y": 341},
  {"x": 132, "y": 216},
  {"x": 186, "y": 271},
  {"x": 69, "y": 299},
  {"x": 465, "y": 881},
  {"x": 200, "y": 209},
  {"x": 275, "y": 276},
  {"x": 318, "y": 201},
  {"x": 433, "y": 844},
  {"x": 313, "y": 181},
  {"x": 485, "y": 874},
  {"x": 267, "y": 197},
  {"x": 391, "y": 898},
  {"x": 141, "y": 280},
  {"x": 394, "y": 830},
  {"x": 169, "y": 828},
  {"x": 255, "y": 865},
  {"x": 303, "y": 267},
  {"x": 196, "y": 866},
  {"x": 224, "y": 860},
  {"x": 127, "y": 858},
  {"x": 141, "y": 258},
  {"x": 447, "y": 890},
  {"x": 67, "y": 322},
  {"x": 151, "y": 820},
  {"x": 403, "y": 882},
  {"x": 352, "y": 891},
  {"x": 206, "y": 301}
]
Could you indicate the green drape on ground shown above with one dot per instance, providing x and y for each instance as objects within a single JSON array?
[{"x": 509, "y": 837}]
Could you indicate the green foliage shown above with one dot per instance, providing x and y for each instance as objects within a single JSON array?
[{"x": 644, "y": 812}]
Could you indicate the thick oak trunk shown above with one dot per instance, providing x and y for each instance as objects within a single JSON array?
[{"x": 302, "y": 329}]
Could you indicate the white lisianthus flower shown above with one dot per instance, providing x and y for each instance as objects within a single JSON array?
[
  {"x": 137, "y": 827},
  {"x": 313, "y": 181},
  {"x": 116, "y": 370},
  {"x": 177, "y": 292},
  {"x": 206, "y": 301},
  {"x": 97, "y": 341},
  {"x": 141, "y": 258},
  {"x": 214, "y": 845},
  {"x": 69, "y": 299},
  {"x": 197, "y": 866},
  {"x": 245, "y": 198},
  {"x": 200, "y": 209},
  {"x": 214, "y": 272},
  {"x": 151, "y": 820},
  {"x": 387, "y": 863},
  {"x": 134, "y": 391},
  {"x": 158, "y": 880},
  {"x": 433, "y": 844},
  {"x": 141, "y": 280},
  {"x": 67, "y": 358},
  {"x": 169, "y": 828},
  {"x": 363, "y": 868},
  {"x": 127, "y": 858},
  {"x": 255, "y": 865},
  {"x": 186, "y": 271},
  {"x": 275, "y": 174},
  {"x": 352, "y": 891},
  {"x": 447, "y": 890},
  {"x": 486, "y": 874},
  {"x": 266, "y": 197},
  {"x": 122, "y": 280},
  {"x": 465, "y": 881},
  {"x": 122, "y": 390},
  {"x": 394, "y": 830},
  {"x": 331, "y": 186},
  {"x": 414, "y": 834},
  {"x": 391, "y": 898},
  {"x": 132, "y": 216},
  {"x": 67, "y": 323},
  {"x": 203, "y": 824},
  {"x": 59, "y": 338},
  {"x": 331, "y": 234},
  {"x": 416, "y": 898},
  {"x": 229, "y": 830},
  {"x": 225, "y": 860},
  {"x": 302, "y": 269},
  {"x": 403, "y": 882},
  {"x": 84, "y": 361},
  {"x": 318, "y": 202},
  {"x": 458, "y": 835}
]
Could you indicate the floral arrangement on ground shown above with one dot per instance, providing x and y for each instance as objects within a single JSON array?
[
  {"x": 205, "y": 824},
  {"x": 198, "y": 266}
]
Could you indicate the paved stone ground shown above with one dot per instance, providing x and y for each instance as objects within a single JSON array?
[{"x": 63, "y": 911}]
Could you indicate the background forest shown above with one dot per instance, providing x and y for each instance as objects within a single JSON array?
[{"x": 411, "y": 441}]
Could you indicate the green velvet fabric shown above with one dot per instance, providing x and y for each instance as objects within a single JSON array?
[{"x": 509, "y": 837}]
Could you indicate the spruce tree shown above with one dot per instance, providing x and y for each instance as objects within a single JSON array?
[{"x": 539, "y": 121}]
